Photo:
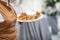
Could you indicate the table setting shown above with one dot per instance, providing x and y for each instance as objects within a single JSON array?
[{"x": 31, "y": 28}]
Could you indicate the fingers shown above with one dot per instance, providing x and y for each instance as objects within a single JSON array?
[{"x": 8, "y": 3}]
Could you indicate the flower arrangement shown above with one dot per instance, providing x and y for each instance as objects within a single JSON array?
[{"x": 51, "y": 7}]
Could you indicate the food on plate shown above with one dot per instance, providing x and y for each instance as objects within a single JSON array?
[
  {"x": 24, "y": 16},
  {"x": 30, "y": 18},
  {"x": 37, "y": 15}
]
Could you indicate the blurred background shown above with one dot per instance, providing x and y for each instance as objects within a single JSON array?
[{"x": 49, "y": 8}]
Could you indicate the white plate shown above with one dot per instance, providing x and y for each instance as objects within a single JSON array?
[{"x": 29, "y": 20}]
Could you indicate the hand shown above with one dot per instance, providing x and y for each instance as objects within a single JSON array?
[
  {"x": 8, "y": 26},
  {"x": 8, "y": 12}
]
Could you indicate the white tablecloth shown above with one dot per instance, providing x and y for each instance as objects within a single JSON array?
[{"x": 39, "y": 31}]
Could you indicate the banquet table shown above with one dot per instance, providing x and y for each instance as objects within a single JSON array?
[{"x": 38, "y": 30}]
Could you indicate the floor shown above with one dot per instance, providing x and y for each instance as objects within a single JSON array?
[{"x": 55, "y": 37}]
